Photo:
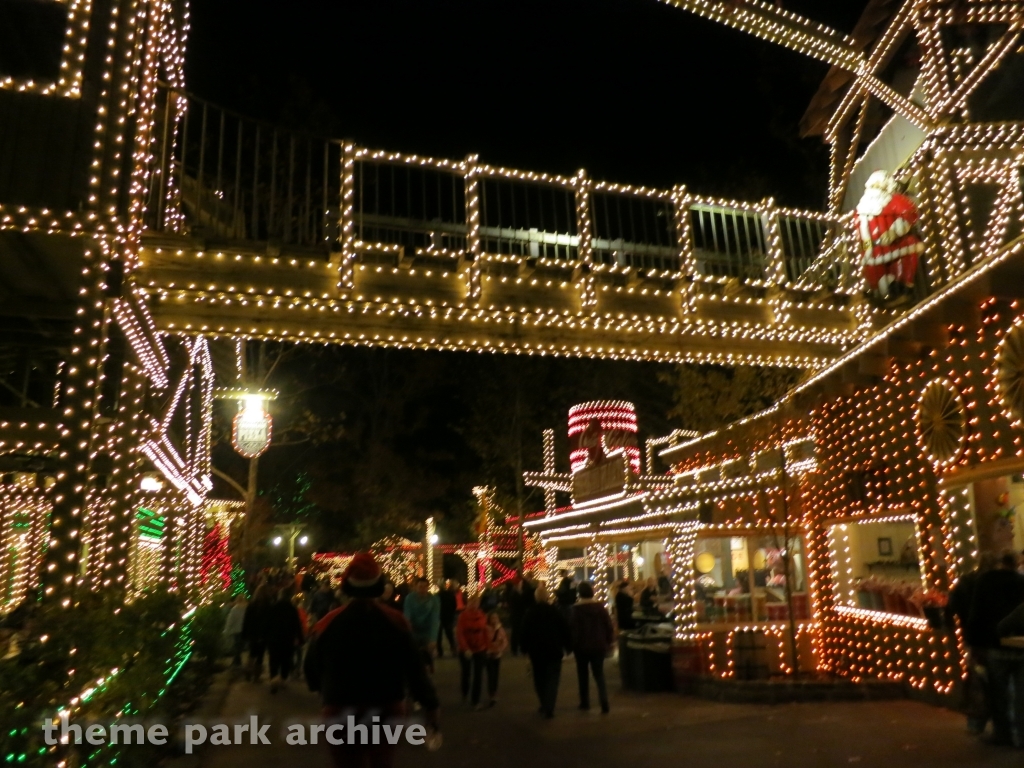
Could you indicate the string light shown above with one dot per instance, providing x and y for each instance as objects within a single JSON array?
[{"x": 85, "y": 516}]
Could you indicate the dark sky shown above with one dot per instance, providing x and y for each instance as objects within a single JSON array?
[{"x": 632, "y": 90}]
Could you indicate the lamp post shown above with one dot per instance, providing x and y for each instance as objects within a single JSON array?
[
  {"x": 251, "y": 431},
  {"x": 430, "y": 542},
  {"x": 289, "y": 533}
]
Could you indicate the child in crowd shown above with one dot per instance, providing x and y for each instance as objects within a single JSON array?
[{"x": 497, "y": 643}]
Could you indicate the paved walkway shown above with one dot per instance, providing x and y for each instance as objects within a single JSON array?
[{"x": 645, "y": 731}]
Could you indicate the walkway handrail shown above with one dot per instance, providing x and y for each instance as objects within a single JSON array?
[{"x": 223, "y": 176}]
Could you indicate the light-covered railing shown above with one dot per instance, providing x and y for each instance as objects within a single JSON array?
[{"x": 223, "y": 176}]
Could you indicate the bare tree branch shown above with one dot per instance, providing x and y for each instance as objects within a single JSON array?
[{"x": 230, "y": 481}]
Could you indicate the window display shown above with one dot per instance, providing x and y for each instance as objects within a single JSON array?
[
  {"x": 743, "y": 579},
  {"x": 998, "y": 505},
  {"x": 876, "y": 565}
]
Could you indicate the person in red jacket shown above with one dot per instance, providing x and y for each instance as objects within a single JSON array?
[
  {"x": 891, "y": 246},
  {"x": 474, "y": 639},
  {"x": 363, "y": 661}
]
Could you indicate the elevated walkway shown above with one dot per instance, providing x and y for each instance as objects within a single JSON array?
[{"x": 254, "y": 231}]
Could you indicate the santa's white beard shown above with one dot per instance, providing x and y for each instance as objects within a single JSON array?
[{"x": 873, "y": 202}]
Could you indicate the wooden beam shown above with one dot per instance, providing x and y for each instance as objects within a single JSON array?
[{"x": 781, "y": 27}]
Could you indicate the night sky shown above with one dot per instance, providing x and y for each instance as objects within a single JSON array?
[{"x": 634, "y": 91}]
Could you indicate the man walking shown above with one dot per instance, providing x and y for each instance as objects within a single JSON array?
[
  {"x": 565, "y": 595},
  {"x": 960, "y": 605},
  {"x": 546, "y": 640},
  {"x": 363, "y": 660},
  {"x": 997, "y": 595},
  {"x": 592, "y": 636},
  {"x": 448, "y": 600},
  {"x": 423, "y": 612}
]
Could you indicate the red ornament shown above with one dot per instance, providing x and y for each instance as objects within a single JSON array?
[{"x": 216, "y": 562}]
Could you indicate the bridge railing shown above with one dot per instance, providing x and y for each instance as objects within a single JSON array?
[
  {"x": 527, "y": 216},
  {"x": 407, "y": 206},
  {"x": 223, "y": 176},
  {"x": 815, "y": 252},
  {"x": 635, "y": 228},
  {"x": 729, "y": 241}
]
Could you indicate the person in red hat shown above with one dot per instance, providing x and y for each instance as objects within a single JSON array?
[{"x": 363, "y": 661}]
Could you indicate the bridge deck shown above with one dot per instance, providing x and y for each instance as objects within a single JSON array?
[{"x": 535, "y": 310}]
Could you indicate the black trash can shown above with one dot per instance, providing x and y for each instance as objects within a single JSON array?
[
  {"x": 628, "y": 660},
  {"x": 654, "y": 670}
]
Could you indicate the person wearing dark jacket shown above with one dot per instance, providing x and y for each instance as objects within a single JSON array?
[
  {"x": 529, "y": 592},
  {"x": 449, "y": 610},
  {"x": 624, "y": 607},
  {"x": 323, "y": 601},
  {"x": 363, "y": 661},
  {"x": 284, "y": 632},
  {"x": 546, "y": 640},
  {"x": 592, "y": 637},
  {"x": 516, "y": 611},
  {"x": 565, "y": 595},
  {"x": 649, "y": 598},
  {"x": 254, "y": 630},
  {"x": 997, "y": 594},
  {"x": 961, "y": 600},
  {"x": 1012, "y": 625}
]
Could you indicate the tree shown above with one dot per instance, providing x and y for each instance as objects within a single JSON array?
[
  {"x": 290, "y": 499},
  {"x": 264, "y": 365},
  {"x": 708, "y": 397}
]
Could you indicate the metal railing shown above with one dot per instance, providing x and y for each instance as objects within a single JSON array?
[
  {"x": 408, "y": 207},
  {"x": 528, "y": 219},
  {"x": 814, "y": 252},
  {"x": 225, "y": 176},
  {"x": 729, "y": 242},
  {"x": 222, "y": 176},
  {"x": 635, "y": 230}
]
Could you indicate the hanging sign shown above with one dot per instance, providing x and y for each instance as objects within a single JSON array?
[{"x": 250, "y": 431}]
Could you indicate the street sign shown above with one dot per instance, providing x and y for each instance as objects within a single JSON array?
[{"x": 251, "y": 429}]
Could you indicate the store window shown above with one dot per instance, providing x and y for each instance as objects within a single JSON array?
[
  {"x": 999, "y": 513},
  {"x": 742, "y": 579},
  {"x": 876, "y": 565}
]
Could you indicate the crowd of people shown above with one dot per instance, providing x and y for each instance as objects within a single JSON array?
[
  {"x": 371, "y": 645},
  {"x": 989, "y": 605}
]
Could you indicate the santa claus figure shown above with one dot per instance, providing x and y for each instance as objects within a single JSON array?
[{"x": 891, "y": 247}]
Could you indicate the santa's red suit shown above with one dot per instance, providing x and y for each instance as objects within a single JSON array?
[{"x": 885, "y": 223}]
